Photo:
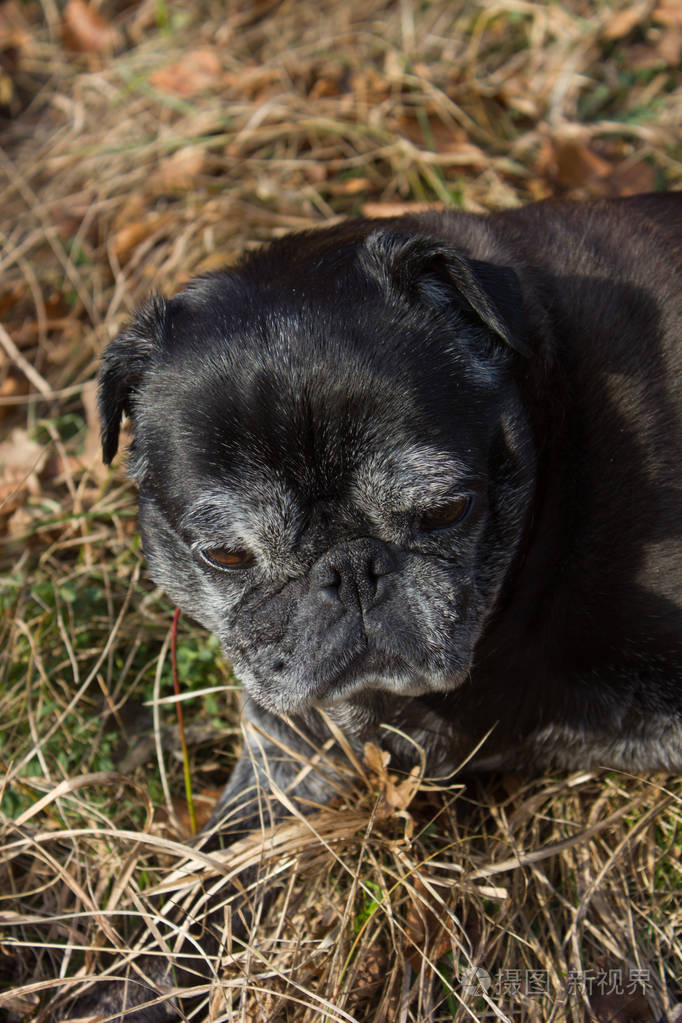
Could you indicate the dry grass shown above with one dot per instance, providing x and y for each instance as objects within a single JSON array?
[{"x": 212, "y": 128}]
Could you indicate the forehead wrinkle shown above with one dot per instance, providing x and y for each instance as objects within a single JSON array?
[
  {"x": 245, "y": 510},
  {"x": 409, "y": 476}
]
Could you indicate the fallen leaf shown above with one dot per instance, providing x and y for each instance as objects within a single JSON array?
[
  {"x": 367, "y": 87},
  {"x": 14, "y": 28},
  {"x": 633, "y": 178},
  {"x": 353, "y": 186},
  {"x": 14, "y": 385},
  {"x": 669, "y": 46},
  {"x": 84, "y": 30},
  {"x": 198, "y": 70},
  {"x": 14, "y": 42},
  {"x": 253, "y": 82},
  {"x": 180, "y": 171},
  {"x": 21, "y": 459},
  {"x": 18, "y": 522},
  {"x": 577, "y": 165},
  {"x": 397, "y": 795},
  {"x": 623, "y": 22},
  {"x": 204, "y": 805},
  {"x": 377, "y": 760},
  {"x": 324, "y": 88},
  {"x": 669, "y": 12},
  {"x": 21, "y": 462},
  {"x": 571, "y": 164},
  {"x": 397, "y": 209},
  {"x": 368, "y": 975},
  {"x": 134, "y": 207},
  {"x": 127, "y": 238},
  {"x": 516, "y": 95},
  {"x": 436, "y": 136},
  {"x": 426, "y": 927}
]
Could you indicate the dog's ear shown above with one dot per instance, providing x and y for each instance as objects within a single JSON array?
[
  {"x": 438, "y": 275},
  {"x": 123, "y": 367}
]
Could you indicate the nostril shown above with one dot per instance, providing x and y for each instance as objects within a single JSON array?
[
  {"x": 329, "y": 584},
  {"x": 378, "y": 566},
  {"x": 354, "y": 573},
  {"x": 374, "y": 571}
]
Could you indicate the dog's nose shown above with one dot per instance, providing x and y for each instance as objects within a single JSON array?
[{"x": 354, "y": 573}]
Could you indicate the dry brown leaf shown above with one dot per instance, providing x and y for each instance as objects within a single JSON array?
[
  {"x": 369, "y": 974},
  {"x": 377, "y": 760},
  {"x": 324, "y": 88},
  {"x": 397, "y": 795},
  {"x": 22, "y": 459},
  {"x": 516, "y": 95},
  {"x": 181, "y": 827},
  {"x": 397, "y": 209},
  {"x": 12, "y": 386},
  {"x": 353, "y": 186},
  {"x": 15, "y": 36},
  {"x": 437, "y": 136},
  {"x": 623, "y": 22},
  {"x": 84, "y": 30},
  {"x": 253, "y": 82},
  {"x": 633, "y": 178},
  {"x": 133, "y": 208},
  {"x": 571, "y": 164},
  {"x": 180, "y": 171},
  {"x": 18, "y": 522},
  {"x": 195, "y": 72},
  {"x": 669, "y": 12},
  {"x": 127, "y": 238},
  {"x": 368, "y": 87},
  {"x": 426, "y": 927},
  {"x": 21, "y": 462},
  {"x": 14, "y": 42},
  {"x": 669, "y": 46}
]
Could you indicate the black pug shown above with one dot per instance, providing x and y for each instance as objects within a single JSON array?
[{"x": 425, "y": 472}]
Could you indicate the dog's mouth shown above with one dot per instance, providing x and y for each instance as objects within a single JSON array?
[
  {"x": 348, "y": 672},
  {"x": 293, "y": 685},
  {"x": 370, "y": 669}
]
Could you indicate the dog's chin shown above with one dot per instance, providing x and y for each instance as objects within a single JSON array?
[{"x": 371, "y": 671}]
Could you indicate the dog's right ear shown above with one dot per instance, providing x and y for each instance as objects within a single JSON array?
[{"x": 124, "y": 363}]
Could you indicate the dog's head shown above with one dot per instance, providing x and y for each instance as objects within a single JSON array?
[{"x": 333, "y": 461}]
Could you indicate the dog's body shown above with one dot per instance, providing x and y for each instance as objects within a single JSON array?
[{"x": 426, "y": 473}]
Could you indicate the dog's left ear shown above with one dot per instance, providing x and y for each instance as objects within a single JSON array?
[
  {"x": 123, "y": 367},
  {"x": 426, "y": 270}
]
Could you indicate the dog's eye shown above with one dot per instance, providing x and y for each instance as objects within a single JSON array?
[
  {"x": 448, "y": 514},
  {"x": 233, "y": 559}
]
